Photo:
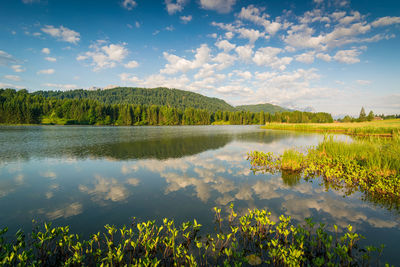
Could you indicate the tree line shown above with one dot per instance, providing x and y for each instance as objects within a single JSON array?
[{"x": 21, "y": 107}]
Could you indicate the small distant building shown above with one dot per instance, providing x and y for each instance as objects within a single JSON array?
[{"x": 378, "y": 119}]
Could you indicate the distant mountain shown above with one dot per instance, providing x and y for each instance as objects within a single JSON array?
[
  {"x": 270, "y": 108},
  {"x": 143, "y": 96}
]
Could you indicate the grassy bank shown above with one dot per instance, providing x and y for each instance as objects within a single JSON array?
[
  {"x": 253, "y": 238},
  {"x": 370, "y": 165},
  {"x": 378, "y": 128}
]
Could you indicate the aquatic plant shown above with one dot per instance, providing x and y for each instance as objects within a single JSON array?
[
  {"x": 251, "y": 239},
  {"x": 370, "y": 165}
]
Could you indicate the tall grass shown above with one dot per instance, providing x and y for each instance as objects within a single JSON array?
[
  {"x": 371, "y": 165},
  {"x": 374, "y": 153},
  {"x": 384, "y": 128}
]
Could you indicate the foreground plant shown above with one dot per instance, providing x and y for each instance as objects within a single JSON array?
[{"x": 251, "y": 239}]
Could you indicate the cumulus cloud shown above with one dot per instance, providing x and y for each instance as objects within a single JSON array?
[
  {"x": 174, "y": 6},
  {"x": 46, "y": 71},
  {"x": 46, "y": 51},
  {"x": 131, "y": 64},
  {"x": 104, "y": 56},
  {"x": 267, "y": 56},
  {"x": 129, "y": 4},
  {"x": 245, "y": 52},
  {"x": 225, "y": 45},
  {"x": 255, "y": 15},
  {"x": 178, "y": 64},
  {"x": 221, "y": 6},
  {"x": 186, "y": 19},
  {"x": 347, "y": 56},
  {"x": 307, "y": 57},
  {"x": 62, "y": 33},
  {"x": 324, "y": 57}
]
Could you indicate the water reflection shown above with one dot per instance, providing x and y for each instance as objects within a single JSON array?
[{"x": 88, "y": 177}]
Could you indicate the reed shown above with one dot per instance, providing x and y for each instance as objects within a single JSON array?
[{"x": 377, "y": 128}]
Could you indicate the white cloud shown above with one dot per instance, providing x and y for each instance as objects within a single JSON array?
[
  {"x": 9, "y": 85},
  {"x": 225, "y": 45},
  {"x": 253, "y": 14},
  {"x": 221, "y": 6},
  {"x": 173, "y": 7},
  {"x": 224, "y": 60},
  {"x": 363, "y": 82},
  {"x": 131, "y": 64},
  {"x": 46, "y": 51},
  {"x": 18, "y": 68},
  {"x": 128, "y": 4},
  {"x": 126, "y": 77},
  {"x": 307, "y": 57},
  {"x": 229, "y": 35},
  {"x": 61, "y": 86},
  {"x": 245, "y": 33},
  {"x": 324, "y": 57},
  {"x": 178, "y": 64},
  {"x": 47, "y": 71},
  {"x": 267, "y": 56},
  {"x": 186, "y": 19},
  {"x": 170, "y": 28},
  {"x": 245, "y": 52},
  {"x": 385, "y": 21},
  {"x": 104, "y": 56},
  {"x": 347, "y": 56},
  {"x": 51, "y": 59},
  {"x": 62, "y": 33},
  {"x": 14, "y": 78}
]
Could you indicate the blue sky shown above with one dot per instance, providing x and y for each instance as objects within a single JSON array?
[{"x": 332, "y": 55}]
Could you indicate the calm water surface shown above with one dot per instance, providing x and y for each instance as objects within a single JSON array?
[{"x": 87, "y": 177}]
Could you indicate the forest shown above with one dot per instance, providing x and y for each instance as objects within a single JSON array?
[
  {"x": 22, "y": 107},
  {"x": 144, "y": 96}
]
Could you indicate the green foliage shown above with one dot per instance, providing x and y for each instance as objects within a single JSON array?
[
  {"x": 20, "y": 107},
  {"x": 254, "y": 238},
  {"x": 175, "y": 98},
  {"x": 369, "y": 165},
  {"x": 363, "y": 115},
  {"x": 268, "y": 108}
]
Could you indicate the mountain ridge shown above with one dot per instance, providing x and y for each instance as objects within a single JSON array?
[{"x": 161, "y": 96}]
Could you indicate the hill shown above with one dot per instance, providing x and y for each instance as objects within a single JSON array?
[
  {"x": 154, "y": 96},
  {"x": 270, "y": 108}
]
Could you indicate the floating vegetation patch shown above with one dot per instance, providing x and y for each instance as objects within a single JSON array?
[{"x": 369, "y": 165}]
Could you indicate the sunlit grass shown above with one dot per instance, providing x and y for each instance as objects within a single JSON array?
[{"x": 384, "y": 127}]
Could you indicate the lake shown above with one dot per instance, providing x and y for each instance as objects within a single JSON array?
[{"x": 87, "y": 177}]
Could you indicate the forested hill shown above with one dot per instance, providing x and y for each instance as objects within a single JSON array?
[
  {"x": 270, "y": 108},
  {"x": 142, "y": 96}
]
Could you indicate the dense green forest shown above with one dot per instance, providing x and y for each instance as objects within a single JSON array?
[
  {"x": 142, "y": 96},
  {"x": 270, "y": 108},
  {"x": 21, "y": 107}
]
